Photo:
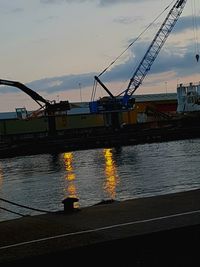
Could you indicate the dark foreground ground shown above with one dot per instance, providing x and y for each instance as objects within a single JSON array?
[{"x": 154, "y": 231}]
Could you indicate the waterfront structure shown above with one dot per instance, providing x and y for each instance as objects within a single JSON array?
[
  {"x": 147, "y": 108},
  {"x": 188, "y": 96}
]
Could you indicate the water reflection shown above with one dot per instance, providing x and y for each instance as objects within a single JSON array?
[
  {"x": 1, "y": 176},
  {"x": 112, "y": 178},
  {"x": 92, "y": 175},
  {"x": 55, "y": 162},
  {"x": 70, "y": 175}
]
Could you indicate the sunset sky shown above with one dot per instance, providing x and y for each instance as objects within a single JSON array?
[{"x": 57, "y": 46}]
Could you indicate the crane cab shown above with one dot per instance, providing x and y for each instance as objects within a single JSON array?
[{"x": 108, "y": 104}]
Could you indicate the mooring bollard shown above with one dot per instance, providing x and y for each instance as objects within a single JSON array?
[{"x": 69, "y": 204}]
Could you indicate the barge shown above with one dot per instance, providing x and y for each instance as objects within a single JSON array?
[
  {"x": 79, "y": 129},
  {"x": 154, "y": 118}
]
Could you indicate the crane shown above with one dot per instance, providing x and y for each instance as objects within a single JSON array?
[
  {"x": 50, "y": 106},
  {"x": 126, "y": 102}
]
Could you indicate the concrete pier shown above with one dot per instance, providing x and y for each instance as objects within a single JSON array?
[{"x": 162, "y": 231}]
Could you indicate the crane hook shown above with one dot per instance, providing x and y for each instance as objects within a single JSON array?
[{"x": 197, "y": 57}]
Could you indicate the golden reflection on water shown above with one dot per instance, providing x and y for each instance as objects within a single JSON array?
[
  {"x": 70, "y": 175},
  {"x": 112, "y": 178}
]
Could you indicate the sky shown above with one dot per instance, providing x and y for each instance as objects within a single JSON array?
[{"x": 56, "y": 47}]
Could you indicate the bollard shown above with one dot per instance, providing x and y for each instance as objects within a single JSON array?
[{"x": 69, "y": 204}]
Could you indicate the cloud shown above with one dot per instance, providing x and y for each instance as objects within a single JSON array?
[
  {"x": 111, "y": 2},
  {"x": 186, "y": 23},
  {"x": 11, "y": 10},
  {"x": 17, "y": 10},
  {"x": 51, "y": 1},
  {"x": 47, "y": 19},
  {"x": 101, "y": 3},
  {"x": 171, "y": 59},
  {"x": 63, "y": 83},
  {"x": 56, "y": 84},
  {"x": 127, "y": 20},
  {"x": 179, "y": 58}
]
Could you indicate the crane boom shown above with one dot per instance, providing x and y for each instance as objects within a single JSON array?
[
  {"x": 154, "y": 49},
  {"x": 50, "y": 106},
  {"x": 35, "y": 96}
]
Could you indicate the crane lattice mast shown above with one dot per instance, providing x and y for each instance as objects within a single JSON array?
[{"x": 154, "y": 49}]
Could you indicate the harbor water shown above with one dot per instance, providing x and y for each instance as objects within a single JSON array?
[{"x": 43, "y": 181}]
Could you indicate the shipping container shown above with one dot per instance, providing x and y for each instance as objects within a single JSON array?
[
  {"x": 79, "y": 121},
  {"x": 16, "y": 126}
]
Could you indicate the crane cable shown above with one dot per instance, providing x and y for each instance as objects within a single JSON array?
[
  {"x": 14, "y": 212},
  {"x": 22, "y": 206},
  {"x": 195, "y": 29},
  {"x": 137, "y": 38}
]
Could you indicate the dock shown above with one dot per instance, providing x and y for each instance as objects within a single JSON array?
[{"x": 161, "y": 230}]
